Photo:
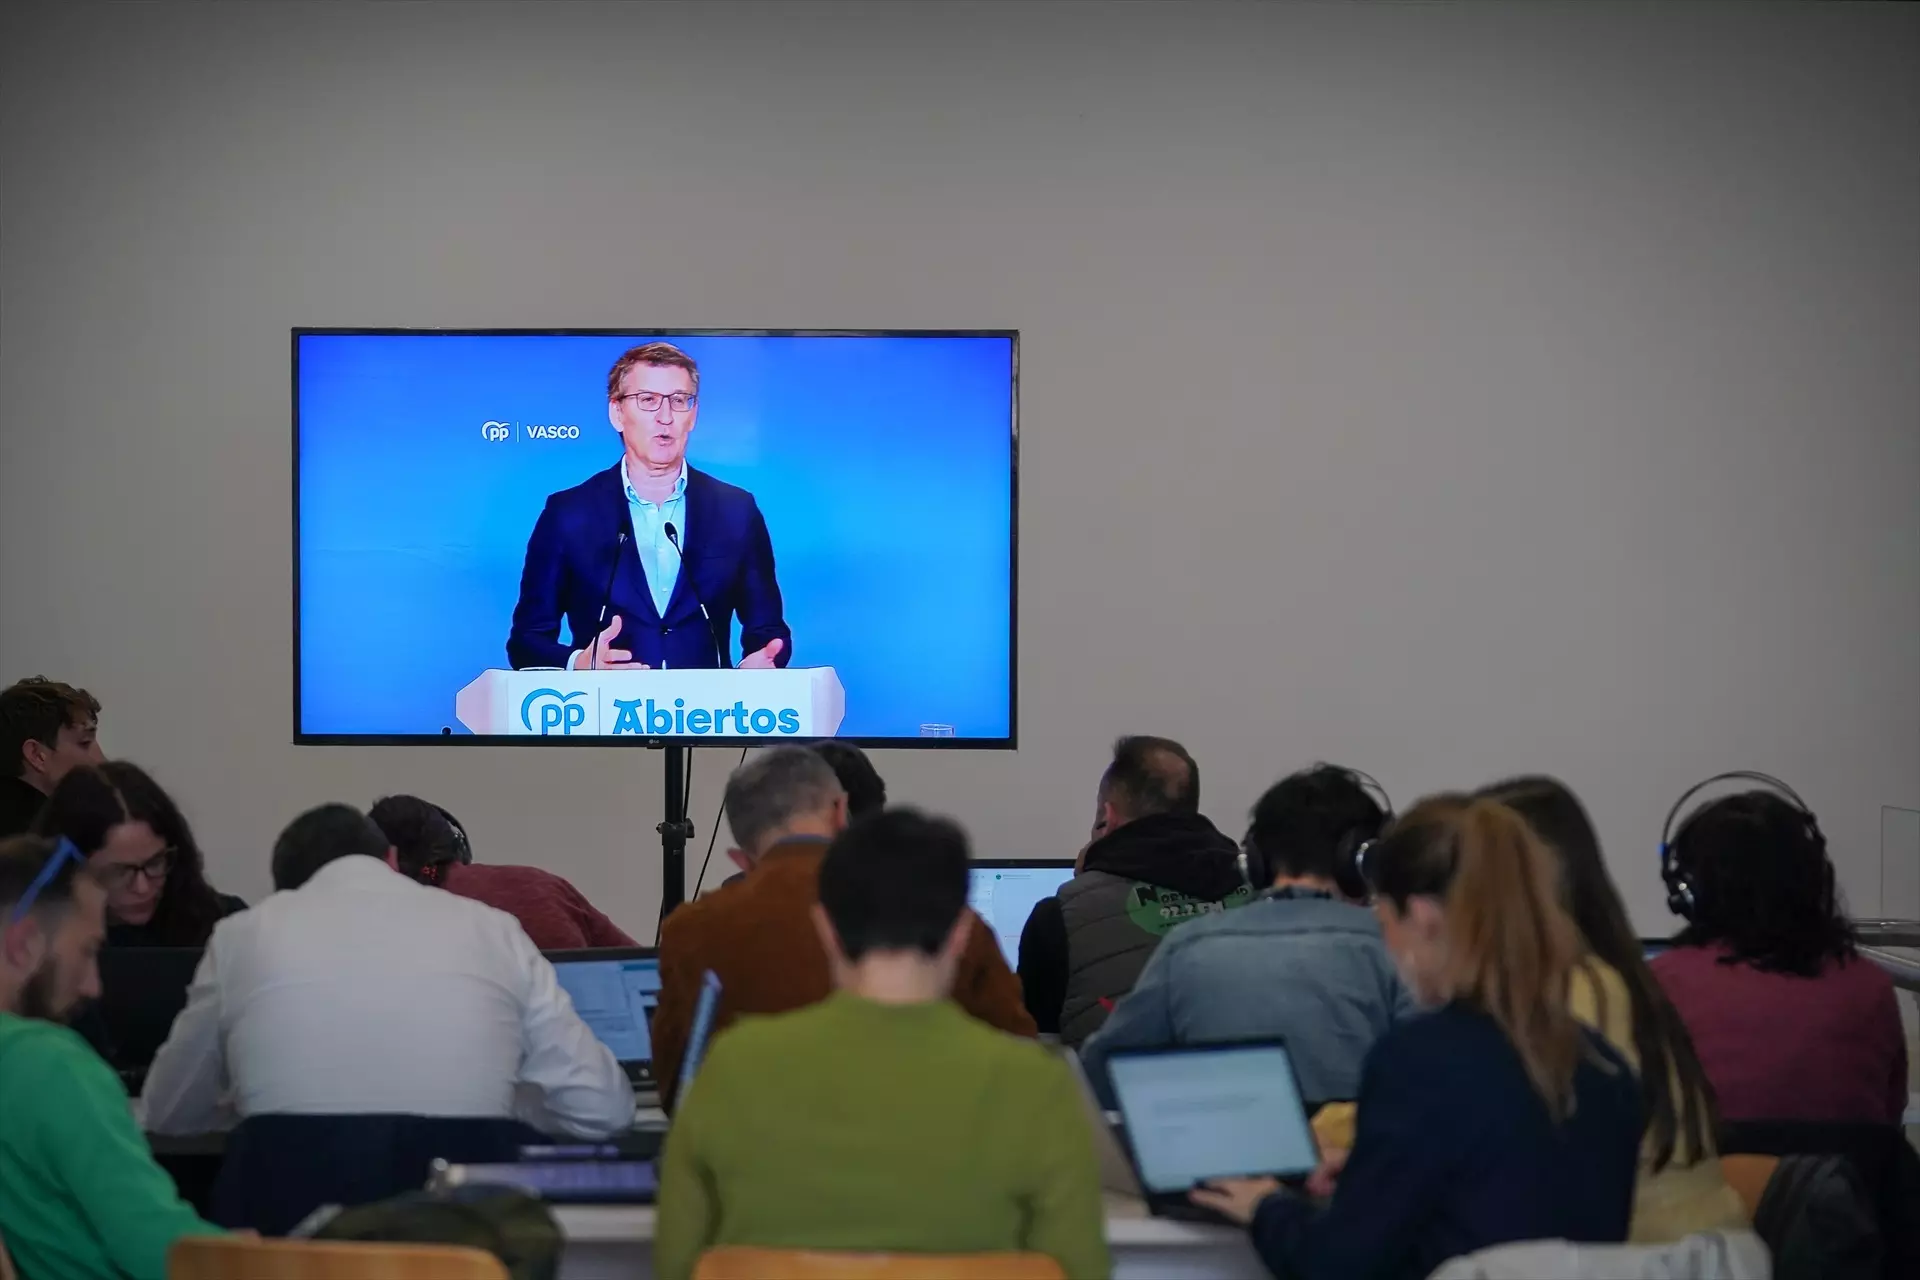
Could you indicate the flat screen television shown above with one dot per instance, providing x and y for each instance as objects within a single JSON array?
[{"x": 652, "y": 536}]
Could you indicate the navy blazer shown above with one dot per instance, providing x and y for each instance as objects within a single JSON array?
[
  {"x": 729, "y": 564},
  {"x": 1454, "y": 1151}
]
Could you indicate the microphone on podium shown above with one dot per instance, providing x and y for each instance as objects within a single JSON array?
[
  {"x": 606, "y": 597},
  {"x": 719, "y": 650}
]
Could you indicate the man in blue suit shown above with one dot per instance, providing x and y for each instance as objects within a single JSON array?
[{"x": 665, "y": 508}]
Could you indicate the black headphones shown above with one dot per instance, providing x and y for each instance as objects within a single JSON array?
[
  {"x": 459, "y": 836},
  {"x": 1683, "y": 896},
  {"x": 1350, "y": 856},
  {"x": 1349, "y": 853}
]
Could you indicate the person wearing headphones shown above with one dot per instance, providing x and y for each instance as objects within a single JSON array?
[
  {"x": 1301, "y": 962},
  {"x": 1789, "y": 1020},
  {"x": 433, "y": 850},
  {"x": 1492, "y": 1119}
]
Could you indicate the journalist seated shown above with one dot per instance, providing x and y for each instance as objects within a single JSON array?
[
  {"x": 353, "y": 990},
  {"x": 80, "y": 1195},
  {"x": 433, "y": 849},
  {"x": 1153, "y": 862},
  {"x": 883, "y": 1118},
  {"x": 784, "y": 806},
  {"x": 1299, "y": 964}
]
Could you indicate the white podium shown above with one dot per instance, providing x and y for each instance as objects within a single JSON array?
[{"x": 798, "y": 702}]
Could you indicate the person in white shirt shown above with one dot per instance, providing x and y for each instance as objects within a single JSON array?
[{"x": 354, "y": 990}]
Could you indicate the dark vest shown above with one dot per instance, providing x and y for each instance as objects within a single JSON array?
[{"x": 1113, "y": 924}]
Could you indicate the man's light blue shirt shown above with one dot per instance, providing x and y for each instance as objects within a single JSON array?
[{"x": 650, "y": 521}]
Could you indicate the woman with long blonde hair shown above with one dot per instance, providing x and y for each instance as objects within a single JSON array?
[{"x": 1495, "y": 1118}]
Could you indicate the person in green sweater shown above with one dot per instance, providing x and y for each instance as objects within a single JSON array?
[
  {"x": 883, "y": 1119},
  {"x": 80, "y": 1195}
]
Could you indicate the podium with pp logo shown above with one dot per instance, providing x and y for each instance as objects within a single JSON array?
[{"x": 797, "y": 702}]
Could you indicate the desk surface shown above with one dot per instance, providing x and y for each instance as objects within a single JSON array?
[{"x": 1128, "y": 1225}]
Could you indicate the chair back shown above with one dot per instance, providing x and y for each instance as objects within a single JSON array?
[
  {"x": 1707, "y": 1255},
  {"x": 810, "y": 1264},
  {"x": 230, "y": 1258},
  {"x": 1881, "y": 1159},
  {"x": 280, "y": 1168}
]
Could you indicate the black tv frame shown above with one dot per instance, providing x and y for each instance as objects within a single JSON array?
[{"x": 1008, "y": 743}]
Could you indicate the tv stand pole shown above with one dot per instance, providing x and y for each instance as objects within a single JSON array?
[{"x": 675, "y": 831}]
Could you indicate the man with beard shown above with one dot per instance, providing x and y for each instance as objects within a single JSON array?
[{"x": 80, "y": 1195}]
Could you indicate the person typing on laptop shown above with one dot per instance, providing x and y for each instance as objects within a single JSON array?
[
  {"x": 883, "y": 1118},
  {"x": 1495, "y": 1118},
  {"x": 354, "y": 990},
  {"x": 757, "y": 936}
]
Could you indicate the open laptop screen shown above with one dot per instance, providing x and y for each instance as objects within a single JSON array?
[
  {"x": 614, "y": 993},
  {"x": 1217, "y": 1112},
  {"x": 1004, "y": 894}
]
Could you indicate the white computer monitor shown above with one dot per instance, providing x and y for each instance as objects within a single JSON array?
[{"x": 1004, "y": 892}]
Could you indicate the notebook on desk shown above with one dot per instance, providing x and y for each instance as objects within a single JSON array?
[
  {"x": 1191, "y": 1113},
  {"x": 615, "y": 990}
]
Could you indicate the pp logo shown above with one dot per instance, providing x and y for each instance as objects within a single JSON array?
[
  {"x": 493, "y": 429},
  {"x": 557, "y": 711}
]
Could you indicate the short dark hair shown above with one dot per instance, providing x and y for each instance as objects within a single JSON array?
[
  {"x": 35, "y": 710},
  {"x": 421, "y": 833},
  {"x": 22, "y": 859},
  {"x": 1763, "y": 885},
  {"x": 320, "y": 836},
  {"x": 1298, "y": 827},
  {"x": 866, "y": 789},
  {"x": 94, "y": 799},
  {"x": 1151, "y": 775},
  {"x": 895, "y": 881}
]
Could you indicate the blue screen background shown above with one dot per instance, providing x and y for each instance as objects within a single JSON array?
[{"x": 883, "y": 466}]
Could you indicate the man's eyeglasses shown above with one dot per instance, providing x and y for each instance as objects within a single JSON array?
[
  {"x": 650, "y": 401},
  {"x": 64, "y": 852},
  {"x": 121, "y": 875}
]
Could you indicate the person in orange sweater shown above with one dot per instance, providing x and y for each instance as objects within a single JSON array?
[{"x": 757, "y": 934}]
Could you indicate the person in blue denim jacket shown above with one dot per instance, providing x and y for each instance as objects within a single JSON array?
[{"x": 1301, "y": 963}]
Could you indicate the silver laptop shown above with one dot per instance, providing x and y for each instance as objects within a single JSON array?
[{"x": 1191, "y": 1113}]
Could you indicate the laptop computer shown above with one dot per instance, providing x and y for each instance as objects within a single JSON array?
[
  {"x": 1003, "y": 892},
  {"x": 1196, "y": 1112},
  {"x": 615, "y": 990},
  {"x": 142, "y": 990},
  {"x": 705, "y": 1010}
]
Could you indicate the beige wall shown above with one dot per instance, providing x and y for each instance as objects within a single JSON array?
[{"x": 1446, "y": 390}]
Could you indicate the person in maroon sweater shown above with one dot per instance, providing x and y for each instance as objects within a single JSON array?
[
  {"x": 433, "y": 849},
  {"x": 1789, "y": 1020}
]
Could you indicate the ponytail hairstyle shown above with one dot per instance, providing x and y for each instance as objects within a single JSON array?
[
  {"x": 422, "y": 835},
  {"x": 1511, "y": 947}
]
